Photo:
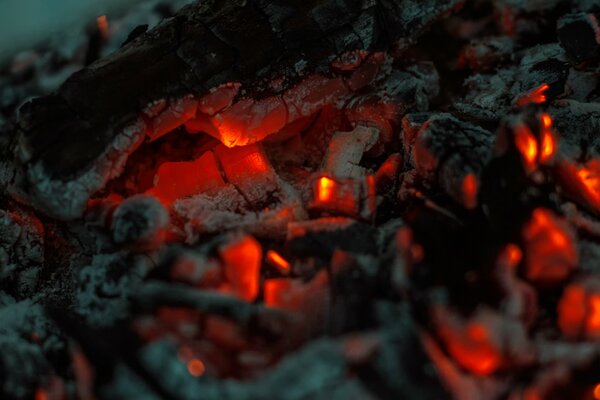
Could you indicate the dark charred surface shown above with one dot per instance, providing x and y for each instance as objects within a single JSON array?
[{"x": 410, "y": 211}]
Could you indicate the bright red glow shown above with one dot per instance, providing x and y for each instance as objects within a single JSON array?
[
  {"x": 546, "y": 121},
  {"x": 571, "y": 311},
  {"x": 592, "y": 325},
  {"x": 471, "y": 347},
  {"x": 325, "y": 188},
  {"x": 243, "y": 165},
  {"x": 527, "y": 145},
  {"x": 597, "y": 392},
  {"x": 590, "y": 179},
  {"x": 388, "y": 170},
  {"x": 176, "y": 180},
  {"x": 242, "y": 259},
  {"x": 548, "y": 140},
  {"x": 40, "y": 394},
  {"x": 249, "y": 121},
  {"x": 349, "y": 196},
  {"x": 469, "y": 189},
  {"x": 276, "y": 260},
  {"x": 551, "y": 254},
  {"x": 513, "y": 254},
  {"x": 579, "y": 310},
  {"x": 536, "y": 96},
  {"x": 548, "y": 146},
  {"x": 196, "y": 367},
  {"x": 582, "y": 183},
  {"x": 275, "y": 291}
]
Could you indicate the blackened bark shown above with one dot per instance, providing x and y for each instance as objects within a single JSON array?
[{"x": 204, "y": 45}]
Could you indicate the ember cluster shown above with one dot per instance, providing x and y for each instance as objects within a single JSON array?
[{"x": 409, "y": 209}]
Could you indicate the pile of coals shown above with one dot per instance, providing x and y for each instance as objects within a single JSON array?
[{"x": 334, "y": 199}]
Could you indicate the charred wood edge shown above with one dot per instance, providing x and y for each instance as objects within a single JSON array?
[
  {"x": 155, "y": 294},
  {"x": 70, "y": 143}
]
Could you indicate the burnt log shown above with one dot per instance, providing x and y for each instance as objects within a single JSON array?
[{"x": 67, "y": 145}]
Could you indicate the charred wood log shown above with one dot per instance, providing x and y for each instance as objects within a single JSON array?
[{"x": 68, "y": 144}]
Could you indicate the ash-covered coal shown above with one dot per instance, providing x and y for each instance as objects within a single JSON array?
[{"x": 280, "y": 200}]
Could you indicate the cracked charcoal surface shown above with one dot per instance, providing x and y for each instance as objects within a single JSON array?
[{"x": 253, "y": 272}]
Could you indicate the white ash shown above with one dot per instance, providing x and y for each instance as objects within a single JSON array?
[
  {"x": 346, "y": 149},
  {"x": 105, "y": 286},
  {"x": 67, "y": 200},
  {"x": 139, "y": 219}
]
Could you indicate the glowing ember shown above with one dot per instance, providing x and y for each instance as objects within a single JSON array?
[
  {"x": 471, "y": 345},
  {"x": 513, "y": 255},
  {"x": 350, "y": 196},
  {"x": 597, "y": 392},
  {"x": 579, "y": 310},
  {"x": 535, "y": 96},
  {"x": 581, "y": 183},
  {"x": 469, "y": 188},
  {"x": 593, "y": 320},
  {"x": 242, "y": 259},
  {"x": 102, "y": 23},
  {"x": 474, "y": 353},
  {"x": 278, "y": 261},
  {"x": 571, "y": 311},
  {"x": 527, "y": 145},
  {"x": 550, "y": 255},
  {"x": 325, "y": 187},
  {"x": 276, "y": 292},
  {"x": 176, "y": 180},
  {"x": 196, "y": 367},
  {"x": 546, "y": 121},
  {"x": 548, "y": 141}
]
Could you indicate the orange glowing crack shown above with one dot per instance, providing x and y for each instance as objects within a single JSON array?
[{"x": 278, "y": 261}]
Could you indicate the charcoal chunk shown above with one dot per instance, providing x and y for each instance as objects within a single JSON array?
[
  {"x": 452, "y": 153},
  {"x": 578, "y": 35}
]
